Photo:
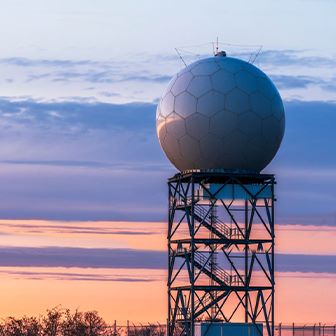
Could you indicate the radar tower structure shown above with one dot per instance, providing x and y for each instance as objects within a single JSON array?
[{"x": 221, "y": 122}]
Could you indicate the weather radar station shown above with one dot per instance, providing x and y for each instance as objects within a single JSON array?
[{"x": 220, "y": 122}]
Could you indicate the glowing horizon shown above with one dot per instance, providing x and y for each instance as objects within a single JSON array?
[{"x": 119, "y": 293}]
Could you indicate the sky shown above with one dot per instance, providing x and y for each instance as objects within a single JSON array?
[{"x": 83, "y": 179}]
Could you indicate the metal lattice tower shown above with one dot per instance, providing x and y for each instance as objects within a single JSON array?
[{"x": 220, "y": 250}]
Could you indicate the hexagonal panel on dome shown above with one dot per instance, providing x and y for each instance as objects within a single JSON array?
[
  {"x": 210, "y": 103},
  {"x": 167, "y": 104},
  {"x": 266, "y": 87},
  {"x": 175, "y": 125},
  {"x": 194, "y": 64},
  {"x": 250, "y": 124},
  {"x": 161, "y": 128},
  {"x": 282, "y": 125},
  {"x": 230, "y": 64},
  {"x": 158, "y": 111},
  {"x": 235, "y": 157},
  {"x": 184, "y": 70},
  {"x": 172, "y": 149},
  {"x": 181, "y": 83},
  {"x": 237, "y": 101},
  {"x": 270, "y": 128},
  {"x": 212, "y": 150},
  {"x": 257, "y": 156},
  {"x": 277, "y": 107},
  {"x": 190, "y": 149},
  {"x": 199, "y": 85},
  {"x": 171, "y": 83},
  {"x": 253, "y": 70},
  {"x": 261, "y": 105},
  {"x": 239, "y": 139},
  {"x": 241, "y": 144},
  {"x": 246, "y": 81},
  {"x": 258, "y": 141},
  {"x": 223, "y": 123},
  {"x": 185, "y": 104},
  {"x": 205, "y": 68},
  {"x": 197, "y": 125},
  {"x": 223, "y": 81}
]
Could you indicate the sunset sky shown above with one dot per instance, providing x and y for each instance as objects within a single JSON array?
[{"x": 83, "y": 197}]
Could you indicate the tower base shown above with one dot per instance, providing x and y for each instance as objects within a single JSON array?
[{"x": 228, "y": 329}]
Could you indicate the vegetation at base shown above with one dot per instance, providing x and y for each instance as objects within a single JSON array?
[{"x": 56, "y": 322}]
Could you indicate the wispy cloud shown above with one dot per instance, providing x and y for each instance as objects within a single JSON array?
[
  {"x": 306, "y": 263},
  {"x": 84, "y": 70},
  {"x": 103, "y": 77},
  {"x": 294, "y": 58},
  {"x": 38, "y": 274},
  {"x": 112, "y": 80},
  {"x": 81, "y": 257},
  {"x": 28, "y": 62},
  {"x": 90, "y": 228},
  {"x": 63, "y": 152},
  {"x": 137, "y": 259},
  {"x": 287, "y": 57},
  {"x": 290, "y": 82},
  {"x": 75, "y": 114},
  {"x": 144, "y": 77}
]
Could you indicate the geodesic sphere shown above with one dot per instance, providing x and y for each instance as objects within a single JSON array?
[{"x": 220, "y": 113}]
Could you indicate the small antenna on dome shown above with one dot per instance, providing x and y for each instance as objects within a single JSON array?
[
  {"x": 179, "y": 54},
  {"x": 253, "y": 59},
  {"x": 217, "y": 46}
]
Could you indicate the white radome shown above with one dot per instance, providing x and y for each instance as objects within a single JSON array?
[{"x": 220, "y": 113}]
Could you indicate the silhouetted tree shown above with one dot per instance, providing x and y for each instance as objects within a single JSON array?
[
  {"x": 95, "y": 324},
  {"x": 51, "y": 324},
  {"x": 26, "y": 326},
  {"x": 73, "y": 324},
  {"x": 57, "y": 322},
  {"x": 83, "y": 324}
]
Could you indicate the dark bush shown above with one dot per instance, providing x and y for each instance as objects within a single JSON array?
[{"x": 56, "y": 322}]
